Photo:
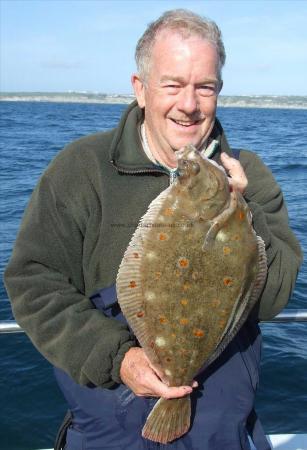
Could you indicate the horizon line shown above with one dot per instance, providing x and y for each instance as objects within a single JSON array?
[{"x": 88, "y": 92}]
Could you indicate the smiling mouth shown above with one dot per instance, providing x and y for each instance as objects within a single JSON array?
[{"x": 186, "y": 123}]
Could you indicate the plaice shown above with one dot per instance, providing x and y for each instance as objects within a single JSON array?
[{"x": 190, "y": 276}]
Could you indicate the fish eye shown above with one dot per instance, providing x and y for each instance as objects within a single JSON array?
[{"x": 195, "y": 168}]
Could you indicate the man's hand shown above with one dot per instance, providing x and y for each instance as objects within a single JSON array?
[
  {"x": 144, "y": 380},
  {"x": 237, "y": 177}
]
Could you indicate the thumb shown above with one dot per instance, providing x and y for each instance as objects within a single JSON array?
[
  {"x": 228, "y": 162},
  {"x": 235, "y": 171}
]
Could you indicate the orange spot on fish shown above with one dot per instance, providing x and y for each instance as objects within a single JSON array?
[
  {"x": 226, "y": 250},
  {"x": 168, "y": 359},
  {"x": 228, "y": 281},
  {"x": 140, "y": 314},
  {"x": 183, "y": 263},
  {"x": 184, "y": 301},
  {"x": 216, "y": 302},
  {"x": 184, "y": 321},
  {"x": 158, "y": 275},
  {"x": 236, "y": 237},
  {"x": 162, "y": 237},
  {"x": 222, "y": 323},
  {"x": 198, "y": 332},
  {"x": 168, "y": 212},
  {"x": 241, "y": 215},
  {"x": 186, "y": 285},
  {"x": 173, "y": 335},
  {"x": 135, "y": 255},
  {"x": 163, "y": 319},
  {"x": 132, "y": 284}
]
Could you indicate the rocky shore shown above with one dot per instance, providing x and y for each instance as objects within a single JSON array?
[{"x": 240, "y": 101}]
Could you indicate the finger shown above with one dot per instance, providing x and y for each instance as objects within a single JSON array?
[
  {"x": 230, "y": 164},
  {"x": 157, "y": 388},
  {"x": 238, "y": 178},
  {"x": 150, "y": 385},
  {"x": 233, "y": 166},
  {"x": 175, "y": 392}
]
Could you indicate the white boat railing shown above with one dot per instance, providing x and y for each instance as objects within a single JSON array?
[{"x": 287, "y": 316}]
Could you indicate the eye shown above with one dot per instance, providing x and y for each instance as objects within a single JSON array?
[
  {"x": 207, "y": 89},
  {"x": 172, "y": 88},
  {"x": 195, "y": 168}
]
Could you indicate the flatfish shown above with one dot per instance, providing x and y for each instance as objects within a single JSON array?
[{"x": 189, "y": 278}]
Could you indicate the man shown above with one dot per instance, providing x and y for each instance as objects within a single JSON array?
[{"x": 79, "y": 222}]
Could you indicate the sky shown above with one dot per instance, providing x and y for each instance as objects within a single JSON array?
[{"x": 88, "y": 45}]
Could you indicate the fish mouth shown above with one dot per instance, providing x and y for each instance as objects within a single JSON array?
[
  {"x": 187, "y": 152},
  {"x": 187, "y": 164}
]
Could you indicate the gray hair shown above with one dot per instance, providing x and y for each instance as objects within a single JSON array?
[{"x": 184, "y": 22}]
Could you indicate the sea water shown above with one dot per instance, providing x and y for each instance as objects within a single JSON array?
[{"x": 32, "y": 134}]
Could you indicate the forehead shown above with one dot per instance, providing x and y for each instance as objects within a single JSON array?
[
  {"x": 170, "y": 38},
  {"x": 173, "y": 49}
]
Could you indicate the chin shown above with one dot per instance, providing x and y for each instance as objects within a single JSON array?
[{"x": 196, "y": 143}]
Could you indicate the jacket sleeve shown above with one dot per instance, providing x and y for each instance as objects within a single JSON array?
[
  {"x": 44, "y": 280},
  {"x": 270, "y": 220}
]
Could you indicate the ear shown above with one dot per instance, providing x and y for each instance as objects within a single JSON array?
[{"x": 139, "y": 89}]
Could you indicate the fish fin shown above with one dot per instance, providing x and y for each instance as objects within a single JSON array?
[
  {"x": 262, "y": 272},
  {"x": 130, "y": 291},
  {"x": 248, "y": 300},
  {"x": 247, "y": 303},
  {"x": 251, "y": 297},
  {"x": 218, "y": 223},
  {"x": 168, "y": 420}
]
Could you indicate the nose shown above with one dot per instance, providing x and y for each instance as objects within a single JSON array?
[{"x": 188, "y": 101}]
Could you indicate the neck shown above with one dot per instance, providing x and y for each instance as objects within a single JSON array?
[{"x": 156, "y": 156}]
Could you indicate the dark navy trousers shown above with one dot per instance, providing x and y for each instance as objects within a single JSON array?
[{"x": 222, "y": 406}]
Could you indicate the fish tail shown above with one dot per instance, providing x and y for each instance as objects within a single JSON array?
[{"x": 168, "y": 420}]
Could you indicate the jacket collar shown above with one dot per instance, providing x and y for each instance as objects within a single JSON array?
[{"x": 126, "y": 151}]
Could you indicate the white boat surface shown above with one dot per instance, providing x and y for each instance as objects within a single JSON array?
[{"x": 288, "y": 441}]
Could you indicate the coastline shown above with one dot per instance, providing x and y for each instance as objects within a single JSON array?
[{"x": 227, "y": 101}]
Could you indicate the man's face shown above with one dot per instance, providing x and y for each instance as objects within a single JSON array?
[{"x": 177, "y": 108}]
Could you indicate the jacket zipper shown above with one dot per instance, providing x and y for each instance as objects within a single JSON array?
[{"x": 172, "y": 174}]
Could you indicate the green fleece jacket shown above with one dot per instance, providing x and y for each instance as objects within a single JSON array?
[{"x": 77, "y": 226}]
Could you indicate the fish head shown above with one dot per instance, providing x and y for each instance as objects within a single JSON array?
[{"x": 202, "y": 180}]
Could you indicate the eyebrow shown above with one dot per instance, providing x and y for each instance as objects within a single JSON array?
[{"x": 181, "y": 80}]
